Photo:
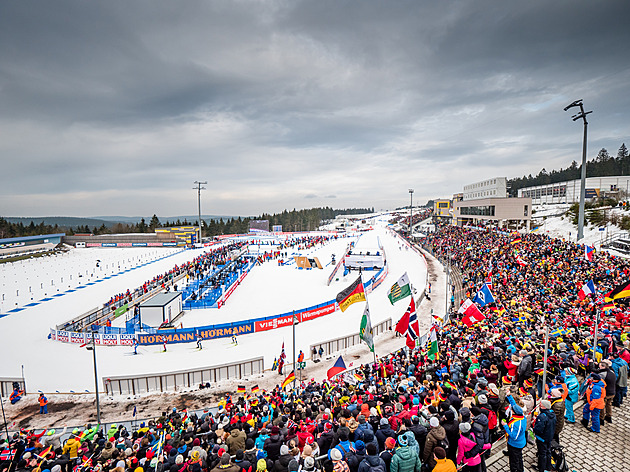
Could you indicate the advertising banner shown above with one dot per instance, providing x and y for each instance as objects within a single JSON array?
[
  {"x": 139, "y": 244},
  {"x": 121, "y": 310},
  {"x": 278, "y": 322},
  {"x": 77, "y": 338},
  {"x": 317, "y": 312}
]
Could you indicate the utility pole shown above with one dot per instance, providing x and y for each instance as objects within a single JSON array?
[
  {"x": 199, "y": 188},
  {"x": 582, "y": 114},
  {"x": 294, "y": 322},
  {"x": 410, "y": 214}
]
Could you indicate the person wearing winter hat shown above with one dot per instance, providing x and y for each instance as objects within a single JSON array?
[
  {"x": 544, "y": 428},
  {"x": 595, "y": 402},
  {"x": 406, "y": 457},
  {"x": 558, "y": 407},
  {"x": 261, "y": 465},
  {"x": 388, "y": 452},
  {"x": 436, "y": 436},
  {"x": 309, "y": 464},
  {"x": 339, "y": 465}
]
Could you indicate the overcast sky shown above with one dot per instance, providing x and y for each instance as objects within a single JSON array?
[{"x": 117, "y": 107}]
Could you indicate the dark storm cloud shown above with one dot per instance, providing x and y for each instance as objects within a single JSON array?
[{"x": 282, "y": 104}]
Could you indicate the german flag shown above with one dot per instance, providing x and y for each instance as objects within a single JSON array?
[
  {"x": 620, "y": 291},
  {"x": 608, "y": 306},
  {"x": 353, "y": 294},
  {"x": 241, "y": 389},
  {"x": 290, "y": 378},
  {"x": 255, "y": 389},
  {"x": 516, "y": 238}
]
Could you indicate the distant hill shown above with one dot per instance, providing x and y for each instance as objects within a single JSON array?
[
  {"x": 61, "y": 221},
  {"x": 136, "y": 219}
]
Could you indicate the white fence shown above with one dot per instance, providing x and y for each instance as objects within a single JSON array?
[{"x": 182, "y": 379}]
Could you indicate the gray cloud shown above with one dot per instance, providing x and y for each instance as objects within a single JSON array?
[{"x": 118, "y": 107}]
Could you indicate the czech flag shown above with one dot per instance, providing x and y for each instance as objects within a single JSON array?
[
  {"x": 588, "y": 289},
  {"x": 589, "y": 252},
  {"x": 290, "y": 378},
  {"x": 339, "y": 367}
]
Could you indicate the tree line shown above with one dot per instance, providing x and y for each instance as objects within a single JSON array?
[
  {"x": 601, "y": 166},
  {"x": 295, "y": 220}
]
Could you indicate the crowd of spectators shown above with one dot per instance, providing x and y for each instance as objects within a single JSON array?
[{"x": 412, "y": 411}]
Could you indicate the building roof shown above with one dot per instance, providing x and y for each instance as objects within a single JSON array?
[
  {"x": 31, "y": 238},
  {"x": 161, "y": 299}
]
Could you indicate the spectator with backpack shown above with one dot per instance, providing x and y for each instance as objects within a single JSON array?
[
  {"x": 468, "y": 449},
  {"x": 435, "y": 438},
  {"x": 388, "y": 453},
  {"x": 372, "y": 462},
  {"x": 544, "y": 428}
]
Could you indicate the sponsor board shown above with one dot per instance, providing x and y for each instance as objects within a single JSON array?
[
  {"x": 187, "y": 336},
  {"x": 109, "y": 244},
  {"x": 93, "y": 245},
  {"x": 139, "y": 244},
  {"x": 273, "y": 323},
  {"x": 317, "y": 312},
  {"x": 77, "y": 338}
]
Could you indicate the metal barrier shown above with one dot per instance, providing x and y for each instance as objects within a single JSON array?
[
  {"x": 6, "y": 385},
  {"x": 181, "y": 379},
  {"x": 339, "y": 344}
]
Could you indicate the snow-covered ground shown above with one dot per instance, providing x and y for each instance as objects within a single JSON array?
[
  {"x": 268, "y": 289},
  {"x": 553, "y": 221},
  {"x": 31, "y": 280}
]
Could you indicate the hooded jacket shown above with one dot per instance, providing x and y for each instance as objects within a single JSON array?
[
  {"x": 405, "y": 460},
  {"x": 595, "y": 394},
  {"x": 573, "y": 386},
  {"x": 371, "y": 462},
  {"x": 545, "y": 426},
  {"x": 434, "y": 436},
  {"x": 236, "y": 441},
  {"x": 384, "y": 432}
]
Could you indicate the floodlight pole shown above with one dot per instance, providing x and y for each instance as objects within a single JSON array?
[
  {"x": 410, "y": 214},
  {"x": 582, "y": 114},
  {"x": 199, "y": 188},
  {"x": 544, "y": 379}
]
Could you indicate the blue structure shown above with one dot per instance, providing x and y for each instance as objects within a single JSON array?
[{"x": 26, "y": 243}]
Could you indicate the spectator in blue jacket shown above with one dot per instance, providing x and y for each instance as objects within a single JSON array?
[
  {"x": 573, "y": 385},
  {"x": 620, "y": 368},
  {"x": 516, "y": 429},
  {"x": 544, "y": 428}
]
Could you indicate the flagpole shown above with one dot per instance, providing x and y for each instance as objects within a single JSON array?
[
  {"x": 545, "y": 360},
  {"x": 595, "y": 337},
  {"x": 293, "y": 323},
  {"x": 448, "y": 269}
]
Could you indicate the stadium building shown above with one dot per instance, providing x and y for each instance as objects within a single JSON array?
[{"x": 569, "y": 191}]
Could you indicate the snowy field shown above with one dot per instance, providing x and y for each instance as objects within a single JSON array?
[
  {"x": 31, "y": 280},
  {"x": 269, "y": 289}
]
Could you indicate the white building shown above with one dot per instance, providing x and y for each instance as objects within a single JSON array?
[
  {"x": 569, "y": 191},
  {"x": 495, "y": 187}
]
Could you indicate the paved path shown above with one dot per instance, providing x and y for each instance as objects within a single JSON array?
[{"x": 608, "y": 451}]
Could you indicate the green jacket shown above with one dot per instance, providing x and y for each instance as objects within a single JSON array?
[{"x": 405, "y": 460}]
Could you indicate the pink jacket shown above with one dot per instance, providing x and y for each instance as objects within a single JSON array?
[{"x": 465, "y": 444}]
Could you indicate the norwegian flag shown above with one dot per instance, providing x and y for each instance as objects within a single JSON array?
[
  {"x": 489, "y": 281},
  {"x": 7, "y": 454}
]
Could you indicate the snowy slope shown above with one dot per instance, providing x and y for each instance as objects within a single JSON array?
[{"x": 267, "y": 290}]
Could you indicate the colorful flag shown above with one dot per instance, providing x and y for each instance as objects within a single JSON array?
[
  {"x": 484, "y": 296},
  {"x": 365, "y": 330},
  {"x": 620, "y": 291},
  {"x": 588, "y": 289},
  {"x": 241, "y": 389},
  {"x": 413, "y": 329},
  {"x": 608, "y": 306},
  {"x": 433, "y": 347},
  {"x": 358, "y": 375},
  {"x": 471, "y": 313},
  {"x": 403, "y": 323},
  {"x": 255, "y": 389},
  {"x": 290, "y": 378},
  {"x": 135, "y": 411},
  {"x": 400, "y": 289},
  {"x": 499, "y": 310},
  {"x": 353, "y": 294},
  {"x": 337, "y": 368},
  {"x": 589, "y": 252},
  {"x": 558, "y": 332},
  {"x": 517, "y": 239},
  {"x": 520, "y": 319}
]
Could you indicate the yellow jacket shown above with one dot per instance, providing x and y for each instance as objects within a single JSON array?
[
  {"x": 444, "y": 465},
  {"x": 71, "y": 447}
]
